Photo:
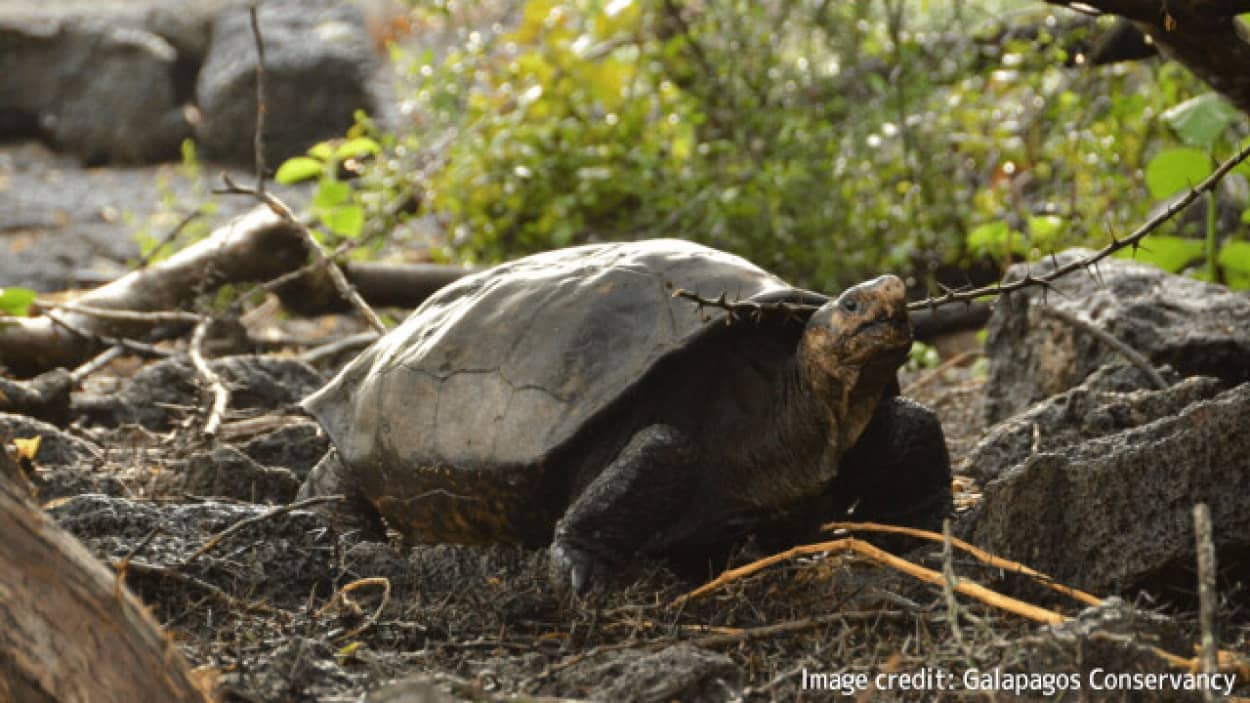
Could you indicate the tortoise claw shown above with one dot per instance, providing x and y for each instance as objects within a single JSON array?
[{"x": 574, "y": 570}]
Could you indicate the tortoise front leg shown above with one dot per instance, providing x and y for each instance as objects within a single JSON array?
[
  {"x": 899, "y": 470},
  {"x": 638, "y": 494}
]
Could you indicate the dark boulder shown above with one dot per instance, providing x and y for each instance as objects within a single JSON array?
[
  {"x": 1114, "y": 512},
  {"x": 318, "y": 66},
  {"x": 101, "y": 83},
  {"x": 1196, "y": 328}
]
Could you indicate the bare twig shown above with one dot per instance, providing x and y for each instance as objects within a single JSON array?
[
  {"x": 280, "y": 208},
  {"x": 258, "y": 139},
  {"x": 154, "y": 317},
  {"x": 976, "y": 552},
  {"x": 339, "y": 346},
  {"x": 169, "y": 237},
  {"x": 856, "y": 546},
  {"x": 1208, "y": 652},
  {"x": 945, "y": 366},
  {"x": 341, "y": 595},
  {"x": 340, "y": 281},
  {"x": 794, "y": 626},
  {"x": 121, "y": 564},
  {"x": 216, "y": 539},
  {"x": 1132, "y": 355},
  {"x": 221, "y": 394},
  {"x": 100, "y": 360},
  {"x": 950, "y": 583}
]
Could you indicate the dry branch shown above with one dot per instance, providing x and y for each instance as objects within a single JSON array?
[
  {"x": 1129, "y": 353},
  {"x": 218, "y": 538},
  {"x": 254, "y": 247},
  {"x": 850, "y": 544},
  {"x": 976, "y": 552},
  {"x": 221, "y": 394},
  {"x": 67, "y": 636}
]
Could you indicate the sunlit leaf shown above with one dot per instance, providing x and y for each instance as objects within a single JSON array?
[
  {"x": 1200, "y": 121},
  {"x": 331, "y": 193},
  {"x": 994, "y": 238},
  {"x": 298, "y": 168},
  {"x": 1234, "y": 256},
  {"x": 356, "y": 148},
  {"x": 322, "y": 151},
  {"x": 1046, "y": 230},
  {"x": 27, "y": 447},
  {"x": 1174, "y": 170},
  {"x": 16, "y": 301},
  {"x": 347, "y": 221},
  {"x": 1168, "y": 253}
]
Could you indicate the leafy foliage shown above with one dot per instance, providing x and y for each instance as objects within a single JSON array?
[
  {"x": 825, "y": 141},
  {"x": 16, "y": 302}
]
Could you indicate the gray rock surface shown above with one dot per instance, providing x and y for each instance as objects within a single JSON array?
[
  {"x": 1113, "y": 398},
  {"x": 318, "y": 69},
  {"x": 681, "y": 672},
  {"x": 163, "y": 392},
  {"x": 105, "y": 81},
  {"x": 225, "y": 472},
  {"x": 1197, "y": 328},
  {"x": 1114, "y": 512}
]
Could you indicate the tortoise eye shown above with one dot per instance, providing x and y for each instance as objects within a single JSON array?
[{"x": 850, "y": 304}]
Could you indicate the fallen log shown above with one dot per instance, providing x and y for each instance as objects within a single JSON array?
[
  {"x": 70, "y": 631},
  {"x": 257, "y": 246}
]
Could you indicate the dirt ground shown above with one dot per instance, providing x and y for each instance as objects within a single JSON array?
[{"x": 290, "y": 609}]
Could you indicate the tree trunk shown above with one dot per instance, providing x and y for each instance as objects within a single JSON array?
[
  {"x": 68, "y": 633},
  {"x": 1204, "y": 35}
]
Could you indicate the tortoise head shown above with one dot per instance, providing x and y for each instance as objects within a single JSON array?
[{"x": 852, "y": 349}]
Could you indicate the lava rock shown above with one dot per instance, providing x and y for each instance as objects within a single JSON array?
[
  {"x": 1113, "y": 637},
  {"x": 56, "y": 448},
  {"x": 160, "y": 394},
  {"x": 681, "y": 672},
  {"x": 318, "y": 65},
  {"x": 297, "y": 447},
  {"x": 226, "y": 472},
  {"x": 1197, "y": 328},
  {"x": 1114, "y": 512},
  {"x": 1113, "y": 398},
  {"x": 103, "y": 87}
]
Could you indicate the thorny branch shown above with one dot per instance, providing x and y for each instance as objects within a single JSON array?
[{"x": 753, "y": 310}]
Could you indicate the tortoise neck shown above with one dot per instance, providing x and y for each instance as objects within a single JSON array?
[{"x": 796, "y": 453}]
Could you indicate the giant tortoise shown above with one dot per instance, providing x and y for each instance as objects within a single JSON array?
[{"x": 568, "y": 399}]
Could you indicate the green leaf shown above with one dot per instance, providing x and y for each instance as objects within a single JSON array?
[
  {"x": 298, "y": 168},
  {"x": 992, "y": 238},
  {"x": 1200, "y": 121},
  {"x": 1174, "y": 170},
  {"x": 1046, "y": 230},
  {"x": 331, "y": 193},
  {"x": 322, "y": 151},
  {"x": 355, "y": 148},
  {"x": 16, "y": 301},
  {"x": 1168, "y": 253},
  {"x": 347, "y": 221},
  {"x": 1234, "y": 256}
]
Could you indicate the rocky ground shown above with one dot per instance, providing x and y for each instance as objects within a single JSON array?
[
  {"x": 1068, "y": 460},
  {"x": 289, "y": 608}
]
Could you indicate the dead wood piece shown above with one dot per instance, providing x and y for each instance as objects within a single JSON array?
[
  {"x": 383, "y": 285},
  {"x": 256, "y": 246},
  {"x": 66, "y": 635},
  {"x": 979, "y": 554},
  {"x": 221, "y": 394},
  {"x": 850, "y": 544},
  {"x": 44, "y": 397}
]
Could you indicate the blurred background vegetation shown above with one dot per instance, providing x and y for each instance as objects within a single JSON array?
[{"x": 826, "y": 140}]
